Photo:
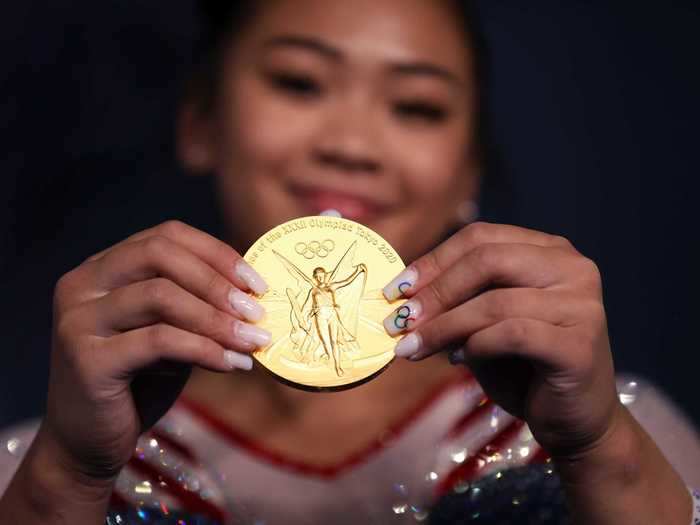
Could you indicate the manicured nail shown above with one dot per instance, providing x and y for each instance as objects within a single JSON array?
[
  {"x": 408, "y": 346},
  {"x": 252, "y": 278},
  {"x": 245, "y": 305},
  {"x": 403, "y": 317},
  {"x": 236, "y": 360},
  {"x": 401, "y": 284},
  {"x": 457, "y": 357},
  {"x": 252, "y": 334},
  {"x": 331, "y": 213}
]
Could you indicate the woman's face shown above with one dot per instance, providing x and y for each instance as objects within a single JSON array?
[{"x": 364, "y": 106}]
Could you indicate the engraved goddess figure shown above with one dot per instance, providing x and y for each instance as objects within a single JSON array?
[{"x": 324, "y": 325}]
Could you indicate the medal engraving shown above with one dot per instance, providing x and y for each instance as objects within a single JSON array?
[{"x": 325, "y": 306}]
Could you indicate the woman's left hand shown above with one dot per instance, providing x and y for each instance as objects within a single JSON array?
[{"x": 524, "y": 310}]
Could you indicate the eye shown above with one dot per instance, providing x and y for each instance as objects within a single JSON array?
[
  {"x": 423, "y": 111},
  {"x": 296, "y": 85}
]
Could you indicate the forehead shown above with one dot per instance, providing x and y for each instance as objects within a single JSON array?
[{"x": 372, "y": 30}]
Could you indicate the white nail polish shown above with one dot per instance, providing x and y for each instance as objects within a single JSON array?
[
  {"x": 245, "y": 305},
  {"x": 403, "y": 317},
  {"x": 400, "y": 284},
  {"x": 408, "y": 346},
  {"x": 252, "y": 278},
  {"x": 331, "y": 213},
  {"x": 252, "y": 334},
  {"x": 236, "y": 360}
]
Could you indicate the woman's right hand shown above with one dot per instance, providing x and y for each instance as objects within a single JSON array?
[{"x": 129, "y": 323}]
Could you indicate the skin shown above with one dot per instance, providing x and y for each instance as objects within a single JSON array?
[
  {"x": 526, "y": 306},
  {"x": 355, "y": 118}
]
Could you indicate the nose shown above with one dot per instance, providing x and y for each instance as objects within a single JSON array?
[{"x": 347, "y": 142}]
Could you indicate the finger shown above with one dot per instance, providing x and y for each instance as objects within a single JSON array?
[
  {"x": 435, "y": 262},
  {"x": 530, "y": 339},
  {"x": 219, "y": 255},
  {"x": 459, "y": 324},
  {"x": 161, "y": 300},
  {"x": 489, "y": 265},
  {"x": 158, "y": 256},
  {"x": 127, "y": 353}
]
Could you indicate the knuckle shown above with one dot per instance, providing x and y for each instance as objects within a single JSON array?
[
  {"x": 496, "y": 305},
  {"x": 154, "y": 247},
  {"x": 429, "y": 264},
  {"x": 159, "y": 336},
  {"x": 477, "y": 232},
  {"x": 159, "y": 292},
  {"x": 560, "y": 240},
  {"x": 216, "y": 285},
  {"x": 203, "y": 346},
  {"x": 224, "y": 252},
  {"x": 67, "y": 284},
  {"x": 215, "y": 321},
  {"x": 486, "y": 259},
  {"x": 591, "y": 272},
  {"x": 62, "y": 288},
  {"x": 595, "y": 311},
  {"x": 172, "y": 228},
  {"x": 66, "y": 327},
  {"x": 439, "y": 294},
  {"x": 516, "y": 333}
]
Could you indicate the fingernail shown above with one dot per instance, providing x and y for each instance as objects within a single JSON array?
[
  {"x": 331, "y": 213},
  {"x": 252, "y": 334},
  {"x": 236, "y": 360},
  {"x": 403, "y": 317},
  {"x": 408, "y": 346},
  {"x": 401, "y": 284},
  {"x": 457, "y": 357},
  {"x": 252, "y": 278},
  {"x": 245, "y": 305}
]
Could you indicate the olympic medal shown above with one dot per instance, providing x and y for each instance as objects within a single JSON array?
[{"x": 324, "y": 306}]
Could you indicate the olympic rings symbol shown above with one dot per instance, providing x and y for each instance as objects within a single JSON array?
[
  {"x": 403, "y": 317},
  {"x": 315, "y": 249}
]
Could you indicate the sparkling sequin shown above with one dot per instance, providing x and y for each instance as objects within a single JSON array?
[
  {"x": 146, "y": 517},
  {"x": 696, "y": 506},
  {"x": 14, "y": 446},
  {"x": 519, "y": 495},
  {"x": 459, "y": 456},
  {"x": 628, "y": 392}
]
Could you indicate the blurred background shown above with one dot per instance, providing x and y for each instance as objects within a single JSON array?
[{"x": 593, "y": 111}]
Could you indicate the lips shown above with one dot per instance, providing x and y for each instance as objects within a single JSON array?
[{"x": 354, "y": 207}]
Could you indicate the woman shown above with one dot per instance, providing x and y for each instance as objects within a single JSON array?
[{"x": 300, "y": 106}]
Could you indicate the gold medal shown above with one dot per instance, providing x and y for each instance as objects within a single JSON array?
[{"x": 325, "y": 305}]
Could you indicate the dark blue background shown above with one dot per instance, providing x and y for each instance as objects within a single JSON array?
[{"x": 593, "y": 110}]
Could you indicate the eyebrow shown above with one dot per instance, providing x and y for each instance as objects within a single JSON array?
[
  {"x": 305, "y": 42},
  {"x": 399, "y": 68},
  {"x": 426, "y": 69}
]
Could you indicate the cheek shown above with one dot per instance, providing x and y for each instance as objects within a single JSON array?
[
  {"x": 431, "y": 170},
  {"x": 258, "y": 141},
  {"x": 432, "y": 164},
  {"x": 264, "y": 135}
]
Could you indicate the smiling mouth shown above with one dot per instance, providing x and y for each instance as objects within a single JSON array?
[{"x": 353, "y": 207}]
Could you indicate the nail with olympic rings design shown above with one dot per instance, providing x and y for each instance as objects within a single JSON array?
[
  {"x": 401, "y": 284},
  {"x": 402, "y": 318}
]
